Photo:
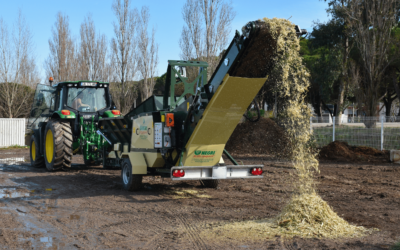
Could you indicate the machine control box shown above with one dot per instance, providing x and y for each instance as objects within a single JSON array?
[
  {"x": 158, "y": 135},
  {"x": 167, "y": 137},
  {"x": 162, "y": 136}
]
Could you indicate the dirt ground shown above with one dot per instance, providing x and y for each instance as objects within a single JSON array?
[{"x": 86, "y": 208}]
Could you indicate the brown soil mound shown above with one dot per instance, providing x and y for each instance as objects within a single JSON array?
[
  {"x": 254, "y": 138},
  {"x": 340, "y": 150}
]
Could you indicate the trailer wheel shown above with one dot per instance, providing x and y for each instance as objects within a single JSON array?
[
  {"x": 37, "y": 160},
  {"x": 58, "y": 145},
  {"x": 131, "y": 182},
  {"x": 210, "y": 183}
]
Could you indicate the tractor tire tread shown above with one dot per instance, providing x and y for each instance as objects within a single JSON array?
[
  {"x": 39, "y": 162},
  {"x": 63, "y": 144}
]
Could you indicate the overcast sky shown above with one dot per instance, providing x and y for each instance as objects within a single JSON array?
[{"x": 165, "y": 16}]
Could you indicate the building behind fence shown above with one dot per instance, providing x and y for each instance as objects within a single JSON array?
[
  {"x": 375, "y": 132},
  {"x": 12, "y": 132}
]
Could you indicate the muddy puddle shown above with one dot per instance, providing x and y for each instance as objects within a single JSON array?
[
  {"x": 12, "y": 160},
  {"x": 13, "y": 193},
  {"x": 32, "y": 209},
  {"x": 22, "y": 201},
  {"x": 14, "y": 164}
]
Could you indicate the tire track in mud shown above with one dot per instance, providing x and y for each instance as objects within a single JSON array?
[
  {"x": 191, "y": 229},
  {"x": 194, "y": 233},
  {"x": 168, "y": 225},
  {"x": 147, "y": 229},
  {"x": 163, "y": 226}
]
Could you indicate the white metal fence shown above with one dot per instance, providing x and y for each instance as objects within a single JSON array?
[
  {"x": 376, "y": 132},
  {"x": 12, "y": 132}
]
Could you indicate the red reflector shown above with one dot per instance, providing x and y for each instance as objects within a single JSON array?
[
  {"x": 115, "y": 112},
  {"x": 178, "y": 173},
  {"x": 65, "y": 112},
  {"x": 256, "y": 171}
]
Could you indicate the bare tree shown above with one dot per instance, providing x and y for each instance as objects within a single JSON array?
[
  {"x": 148, "y": 55},
  {"x": 206, "y": 30},
  {"x": 372, "y": 22},
  {"x": 123, "y": 46},
  {"x": 92, "y": 53},
  {"x": 17, "y": 69},
  {"x": 61, "y": 63}
]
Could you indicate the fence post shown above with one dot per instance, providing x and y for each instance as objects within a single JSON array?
[
  {"x": 334, "y": 118},
  {"x": 381, "y": 133}
]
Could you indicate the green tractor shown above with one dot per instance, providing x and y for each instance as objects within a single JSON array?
[{"x": 64, "y": 120}]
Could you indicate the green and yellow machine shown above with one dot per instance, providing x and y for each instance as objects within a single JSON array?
[
  {"x": 183, "y": 137},
  {"x": 178, "y": 136}
]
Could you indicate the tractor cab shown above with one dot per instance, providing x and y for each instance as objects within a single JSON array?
[
  {"x": 70, "y": 100},
  {"x": 84, "y": 98}
]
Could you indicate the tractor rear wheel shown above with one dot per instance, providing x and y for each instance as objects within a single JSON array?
[
  {"x": 58, "y": 145},
  {"x": 131, "y": 182},
  {"x": 37, "y": 160},
  {"x": 210, "y": 183}
]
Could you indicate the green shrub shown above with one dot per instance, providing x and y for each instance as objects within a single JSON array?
[{"x": 396, "y": 246}]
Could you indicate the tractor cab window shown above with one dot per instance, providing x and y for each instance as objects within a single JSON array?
[
  {"x": 43, "y": 105},
  {"x": 87, "y": 99}
]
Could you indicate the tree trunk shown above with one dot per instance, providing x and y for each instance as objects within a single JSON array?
[
  {"x": 339, "y": 107},
  {"x": 388, "y": 105},
  {"x": 396, "y": 85},
  {"x": 343, "y": 81},
  {"x": 329, "y": 110}
]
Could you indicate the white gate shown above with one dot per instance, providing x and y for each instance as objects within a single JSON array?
[{"x": 12, "y": 132}]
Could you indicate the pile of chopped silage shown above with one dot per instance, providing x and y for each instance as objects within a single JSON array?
[{"x": 306, "y": 214}]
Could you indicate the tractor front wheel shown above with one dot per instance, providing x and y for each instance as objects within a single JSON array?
[
  {"x": 131, "y": 182},
  {"x": 37, "y": 160},
  {"x": 58, "y": 145}
]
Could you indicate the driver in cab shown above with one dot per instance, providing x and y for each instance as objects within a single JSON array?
[{"x": 77, "y": 103}]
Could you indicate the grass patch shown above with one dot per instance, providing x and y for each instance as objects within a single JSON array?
[
  {"x": 186, "y": 194},
  {"x": 14, "y": 147},
  {"x": 396, "y": 246}
]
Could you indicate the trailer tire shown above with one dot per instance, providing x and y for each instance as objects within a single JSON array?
[
  {"x": 210, "y": 183},
  {"x": 130, "y": 182},
  {"x": 37, "y": 160},
  {"x": 58, "y": 145}
]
